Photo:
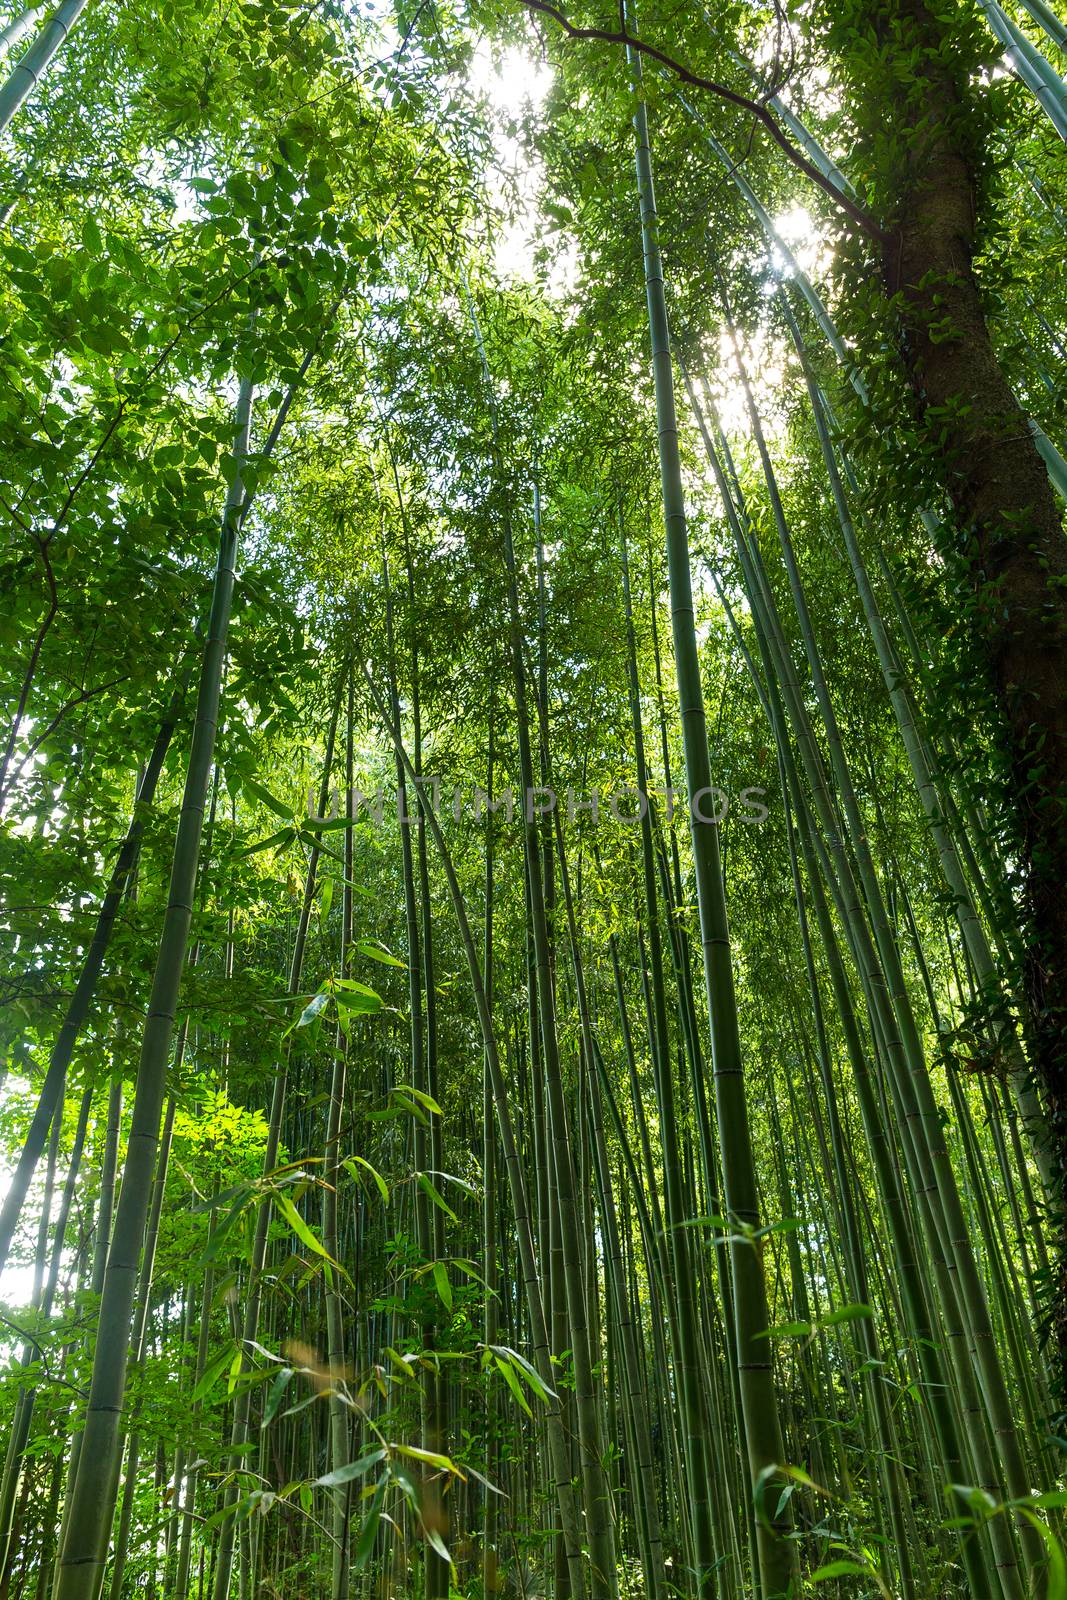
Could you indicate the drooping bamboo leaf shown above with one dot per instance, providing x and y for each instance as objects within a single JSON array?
[
  {"x": 276, "y": 1395},
  {"x": 261, "y": 793},
  {"x": 351, "y": 1471},
  {"x": 212, "y": 1373},
  {"x": 368, "y": 1530},
  {"x": 359, "y": 1161},
  {"x": 435, "y": 1195},
  {"x": 305, "y": 1234},
  {"x": 442, "y": 1285}
]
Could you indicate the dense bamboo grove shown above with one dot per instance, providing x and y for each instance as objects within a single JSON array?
[{"x": 533, "y": 776}]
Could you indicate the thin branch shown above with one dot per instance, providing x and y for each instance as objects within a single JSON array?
[
  {"x": 622, "y": 36},
  {"x": 79, "y": 699},
  {"x": 13, "y": 514}
]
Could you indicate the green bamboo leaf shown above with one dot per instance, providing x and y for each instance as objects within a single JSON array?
[
  {"x": 264, "y": 796},
  {"x": 784, "y": 1225},
  {"x": 358, "y": 997},
  {"x": 980, "y": 1502},
  {"x": 471, "y": 1271},
  {"x": 304, "y": 1233},
  {"x": 314, "y": 842},
  {"x": 435, "y": 1195},
  {"x": 354, "y": 1469},
  {"x": 507, "y": 1372},
  {"x": 442, "y": 1285},
  {"x": 1056, "y": 1571},
  {"x": 434, "y": 1540},
  {"x": 276, "y": 1395},
  {"x": 377, "y": 952},
  {"x": 460, "y": 1183},
  {"x": 301, "y": 1405},
  {"x": 261, "y": 1350},
  {"x": 525, "y": 1369},
  {"x": 424, "y": 1099},
  {"x": 431, "y": 1457},
  {"x": 212, "y": 1203},
  {"x": 484, "y": 1481},
  {"x": 212, "y": 1373},
  {"x": 314, "y": 1008},
  {"x": 351, "y": 1163},
  {"x": 839, "y": 1569},
  {"x": 407, "y": 1104},
  {"x": 368, "y": 1529},
  {"x": 853, "y": 1313},
  {"x": 709, "y": 1221},
  {"x": 223, "y": 1514},
  {"x": 276, "y": 841}
]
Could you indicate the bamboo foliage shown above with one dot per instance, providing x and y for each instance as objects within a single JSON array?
[{"x": 538, "y": 1076}]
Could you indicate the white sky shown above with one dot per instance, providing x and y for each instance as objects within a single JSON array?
[
  {"x": 16, "y": 1282},
  {"x": 513, "y": 83}
]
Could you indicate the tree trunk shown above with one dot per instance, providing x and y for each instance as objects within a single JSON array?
[{"x": 1009, "y": 524}]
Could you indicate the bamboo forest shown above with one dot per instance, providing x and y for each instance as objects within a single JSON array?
[{"x": 533, "y": 800}]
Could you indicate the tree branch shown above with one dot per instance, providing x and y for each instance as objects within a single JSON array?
[{"x": 754, "y": 108}]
